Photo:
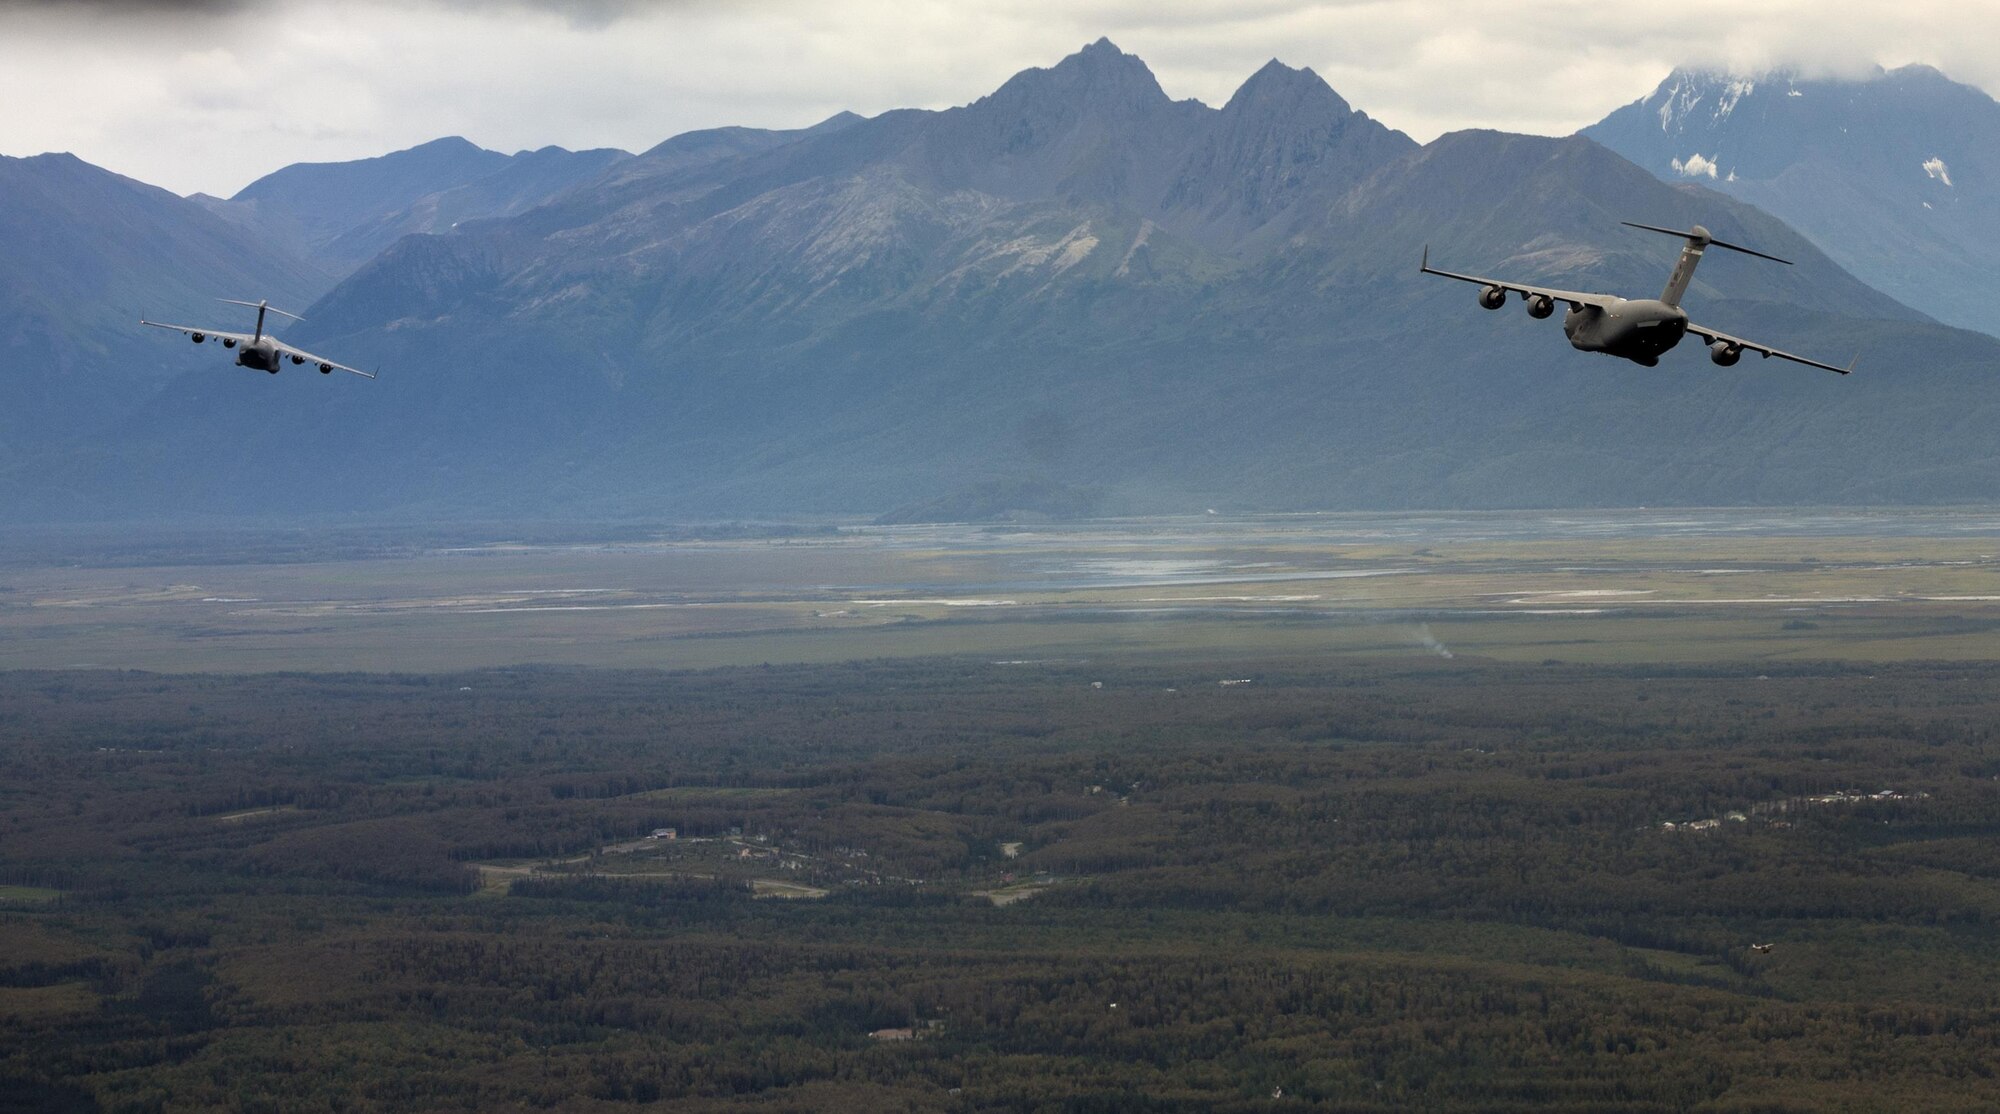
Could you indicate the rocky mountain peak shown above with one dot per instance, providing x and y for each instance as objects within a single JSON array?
[
  {"x": 1099, "y": 77},
  {"x": 1280, "y": 88},
  {"x": 1886, "y": 170}
]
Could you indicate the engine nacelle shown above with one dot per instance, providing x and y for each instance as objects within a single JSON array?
[
  {"x": 197, "y": 337},
  {"x": 228, "y": 342},
  {"x": 1540, "y": 306},
  {"x": 1492, "y": 297},
  {"x": 1724, "y": 353},
  {"x": 298, "y": 359},
  {"x": 326, "y": 369}
]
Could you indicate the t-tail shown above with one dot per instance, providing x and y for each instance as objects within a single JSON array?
[
  {"x": 1698, "y": 240},
  {"x": 261, "y": 307}
]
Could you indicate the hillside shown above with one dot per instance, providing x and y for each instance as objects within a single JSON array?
[
  {"x": 84, "y": 254},
  {"x": 1892, "y": 174},
  {"x": 1080, "y": 287}
]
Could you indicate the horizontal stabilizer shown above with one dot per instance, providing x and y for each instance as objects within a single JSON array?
[
  {"x": 262, "y": 305},
  {"x": 1700, "y": 235}
]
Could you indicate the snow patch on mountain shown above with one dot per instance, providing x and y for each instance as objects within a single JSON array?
[
  {"x": 1735, "y": 91},
  {"x": 1679, "y": 102},
  {"x": 1936, "y": 168},
  {"x": 1695, "y": 167},
  {"x": 1689, "y": 91}
]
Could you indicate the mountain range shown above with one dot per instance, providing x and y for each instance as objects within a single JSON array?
[
  {"x": 1074, "y": 295},
  {"x": 84, "y": 254},
  {"x": 1894, "y": 174},
  {"x": 343, "y": 214}
]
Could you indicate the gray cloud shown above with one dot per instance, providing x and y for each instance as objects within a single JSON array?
[
  {"x": 127, "y": 7},
  {"x": 208, "y": 94}
]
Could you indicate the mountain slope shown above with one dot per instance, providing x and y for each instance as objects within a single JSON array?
[
  {"x": 84, "y": 253},
  {"x": 526, "y": 180},
  {"x": 1081, "y": 286},
  {"x": 314, "y": 204},
  {"x": 1896, "y": 176}
]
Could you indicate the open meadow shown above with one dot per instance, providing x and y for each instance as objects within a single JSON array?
[{"x": 1611, "y": 587}]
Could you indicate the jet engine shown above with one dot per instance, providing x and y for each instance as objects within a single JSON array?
[
  {"x": 196, "y": 337},
  {"x": 1492, "y": 297},
  {"x": 1540, "y": 306},
  {"x": 298, "y": 359},
  {"x": 326, "y": 369},
  {"x": 228, "y": 342},
  {"x": 1724, "y": 353}
]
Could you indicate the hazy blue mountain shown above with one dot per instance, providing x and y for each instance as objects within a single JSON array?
[
  {"x": 526, "y": 180},
  {"x": 1896, "y": 175},
  {"x": 84, "y": 253},
  {"x": 713, "y": 145},
  {"x": 314, "y": 204},
  {"x": 1074, "y": 293},
  {"x": 345, "y": 213}
]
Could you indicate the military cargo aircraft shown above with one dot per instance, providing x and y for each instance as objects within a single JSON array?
[
  {"x": 1636, "y": 329},
  {"x": 258, "y": 349}
]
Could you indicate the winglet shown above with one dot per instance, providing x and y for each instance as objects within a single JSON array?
[{"x": 1424, "y": 268}]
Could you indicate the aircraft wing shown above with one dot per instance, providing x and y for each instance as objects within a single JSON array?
[
  {"x": 1764, "y": 350},
  {"x": 1573, "y": 297},
  {"x": 302, "y": 354},
  {"x": 240, "y": 338}
]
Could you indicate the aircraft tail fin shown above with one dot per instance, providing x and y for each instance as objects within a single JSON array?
[
  {"x": 1698, "y": 240},
  {"x": 262, "y": 308}
]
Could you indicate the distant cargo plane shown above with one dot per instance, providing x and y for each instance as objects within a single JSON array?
[
  {"x": 259, "y": 350},
  {"x": 1637, "y": 329}
]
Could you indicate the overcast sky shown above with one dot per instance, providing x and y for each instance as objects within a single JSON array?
[{"x": 209, "y": 94}]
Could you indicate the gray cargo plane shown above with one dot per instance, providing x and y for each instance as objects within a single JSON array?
[
  {"x": 260, "y": 350},
  {"x": 1637, "y": 329}
]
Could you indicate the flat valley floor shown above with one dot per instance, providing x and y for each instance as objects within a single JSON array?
[
  {"x": 1607, "y": 587},
  {"x": 1620, "y": 811}
]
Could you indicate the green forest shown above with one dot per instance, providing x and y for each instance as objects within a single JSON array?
[{"x": 950, "y": 884}]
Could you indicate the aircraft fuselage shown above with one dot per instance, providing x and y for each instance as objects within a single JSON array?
[
  {"x": 260, "y": 354},
  {"x": 1637, "y": 329}
]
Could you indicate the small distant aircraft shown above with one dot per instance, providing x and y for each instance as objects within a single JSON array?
[
  {"x": 1638, "y": 329},
  {"x": 259, "y": 350}
]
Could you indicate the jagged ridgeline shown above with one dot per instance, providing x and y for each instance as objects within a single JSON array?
[
  {"x": 1891, "y": 171},
  {"x": 1076, "y": 286}
]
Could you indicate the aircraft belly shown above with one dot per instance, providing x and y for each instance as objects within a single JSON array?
[
  {"x": 1588, "y": 334},
  {"x": 1656, "y": 338},
  {"x": 1643, "y": 340}
]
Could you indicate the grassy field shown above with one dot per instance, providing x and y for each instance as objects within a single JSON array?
[{"x": 1742, "y": 587}]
